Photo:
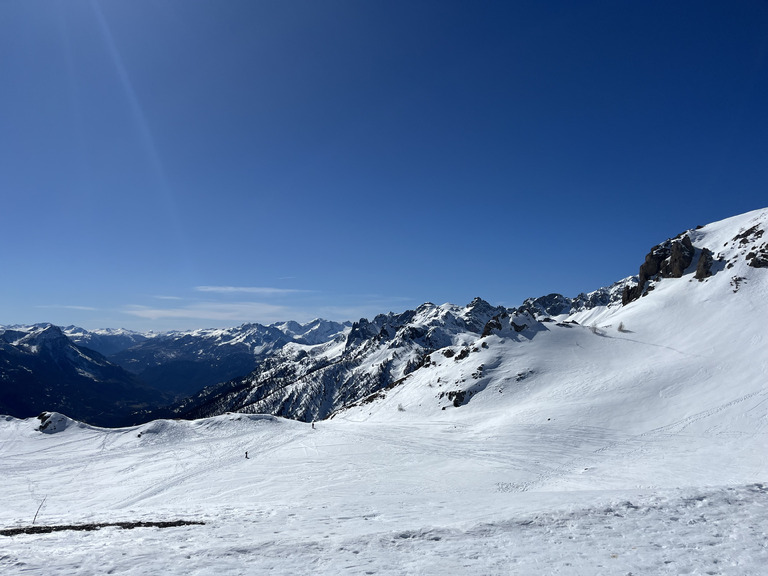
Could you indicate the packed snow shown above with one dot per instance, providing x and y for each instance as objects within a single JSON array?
[
  {"x": 633, "y": 442},
  {"x": 362, "y": 498}
]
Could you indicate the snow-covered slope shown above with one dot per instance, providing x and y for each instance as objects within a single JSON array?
[
  {"x": 615, "y": 439},
  {"x": 688, "y": 360}
]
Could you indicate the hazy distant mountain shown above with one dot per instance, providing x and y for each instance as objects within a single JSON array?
[
  {"x": 106, "y": 341},
  {"x": 42, "y": 369},
  {"x": 182, "y": 363}
]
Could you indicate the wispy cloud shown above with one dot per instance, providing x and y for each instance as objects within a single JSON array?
[
  {"x": 220, "y": 306},
  {"x": 159, "y": 297},
  {"x": 218, "y": 311},
  {"x": 260, "y": 290},
  {"x": 69, "y": 307}
]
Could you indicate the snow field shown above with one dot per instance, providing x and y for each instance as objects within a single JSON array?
[{"x": 353, "y": 498}]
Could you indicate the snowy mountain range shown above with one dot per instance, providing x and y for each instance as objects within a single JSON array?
[
  {"x": 310, "y": 371},
  {"x": 312, "y": 382},
  {"x": 182, "y": 363},
  {"x": 618, "y": 432},
  {"x": 146, "y": 371},
  {"x": 40, "y": 366}
]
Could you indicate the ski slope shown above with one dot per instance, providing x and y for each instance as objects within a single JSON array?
[
  {"x": 357, "y": 498},
  {"x": 633, "y": 442}
]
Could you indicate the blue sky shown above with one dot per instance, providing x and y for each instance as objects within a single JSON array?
[{"x": 169, "y": 164}]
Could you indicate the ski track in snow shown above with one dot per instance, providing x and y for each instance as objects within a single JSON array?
[
  {"x": 356, "y": 498},
  {"x": 717, "y": 531}
]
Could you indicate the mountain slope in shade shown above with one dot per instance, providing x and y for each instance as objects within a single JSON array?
[
  {"x": 106, "y": 341},
  {"x": 41, "y": 369},
  {"x": 182, "y": 363}
]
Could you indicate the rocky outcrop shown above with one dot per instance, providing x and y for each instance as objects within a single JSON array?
[
  {"x": 667, "y": 260},
  {"x": 552, "y": 305},
  {"x": 704, "y": 267},
  {"x": 758, "y": 255},
  {"x": 494, "y": 324},
  {"x": 549, "y": 305},
  {"x": 680, "y": 257},
  {"x": 758, "y": 259},
  {"x": 746, "y": 245}
]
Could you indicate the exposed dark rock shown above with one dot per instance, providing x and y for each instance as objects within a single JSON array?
[
  {"x": 758, "y": 258},
  {"x": 493, "y": 324},
  {"x": 455, "y": 396},
  {"x": 629, "y": 294},
  {"x": 549, "y": 305},
  {"x": 704, "y": 267},
  {"x": 667, "y": 260},
  {"x": 362, "y": 330},
  {"x": 750, "y": 235},
  {"x": 96, "y": 526},
  {"x": 479, "y": 312},
  {"x": 736, "y": 282},
  {"x": 463, "y": 354},
  {"x": 680, "y": 257}
]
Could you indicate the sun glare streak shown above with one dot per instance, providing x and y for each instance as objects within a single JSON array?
[
  {"x": 147, "y": 138},
  {"x": 76, "y": 110}
]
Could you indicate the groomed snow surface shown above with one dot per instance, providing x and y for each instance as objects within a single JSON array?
[
  {"x": 634, "y": 443},
  {"x": 356, "y": 498}
]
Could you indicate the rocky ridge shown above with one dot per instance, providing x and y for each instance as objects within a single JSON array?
[{"x": 311, "y": 382}]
